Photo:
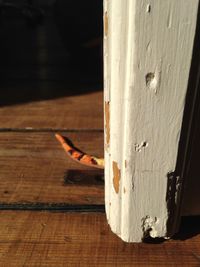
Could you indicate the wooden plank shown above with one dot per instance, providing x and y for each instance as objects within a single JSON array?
[
  {"x": 148, "y": 51},
  {"x": 35, "y": 169},
  {"x": 71, "y": 239},
  {"x": 69, "y": 111}
]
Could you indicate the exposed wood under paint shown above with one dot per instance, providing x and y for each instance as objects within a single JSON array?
[{"x": 147, "y": 54}]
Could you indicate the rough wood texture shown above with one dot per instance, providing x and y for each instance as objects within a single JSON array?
[
  {"x": 65, "y": 239},
  {"x": 148, "y": 51},
  {"x": 35, "y": 168},
  {"x": 84, "y": 111}
]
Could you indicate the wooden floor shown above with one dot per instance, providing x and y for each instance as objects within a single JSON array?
[{"x": 52, "y": 209}]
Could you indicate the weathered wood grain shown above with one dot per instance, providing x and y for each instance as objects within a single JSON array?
[
  {"x": 71, "y": 239},
  {"x": 83, "y": 111},
  {"x": 35, "y": 168}
]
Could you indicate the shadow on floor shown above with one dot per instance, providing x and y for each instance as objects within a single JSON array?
[{"x": 189, "y": 227}]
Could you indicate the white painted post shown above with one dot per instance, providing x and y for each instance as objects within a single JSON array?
[{"x": 147, "y": 56}]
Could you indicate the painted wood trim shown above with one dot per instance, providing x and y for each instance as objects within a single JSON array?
[{"x": 147, "y": 55}]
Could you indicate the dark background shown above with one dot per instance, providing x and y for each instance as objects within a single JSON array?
[{"x": 49, "y": 49}]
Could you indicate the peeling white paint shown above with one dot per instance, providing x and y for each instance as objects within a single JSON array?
[
  {"x": 147, "y": 55},
  {"x": 149, "y": 226}
]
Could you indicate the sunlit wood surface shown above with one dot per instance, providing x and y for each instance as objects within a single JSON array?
[{"x": 51, "y": 208}]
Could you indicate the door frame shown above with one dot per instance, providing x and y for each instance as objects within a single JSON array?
[{"x": 148, "y": 48}]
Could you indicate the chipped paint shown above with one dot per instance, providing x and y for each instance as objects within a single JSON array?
[
  {"x": 145, "y": 81},
  {"x": 107, "y": 122},
  {"x": 149, "y": 226},
  {"x": 124, "y": 190},
  {"x": 148, "y": 8},
  {"x": 116, "y": 176},
  {"x": 153, "y": 79},
  {"x": 139, "y": 147},
  {"x": 105, "y": 24}
]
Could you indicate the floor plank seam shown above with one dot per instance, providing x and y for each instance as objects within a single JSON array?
[{"x": 53, "y": 207}]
